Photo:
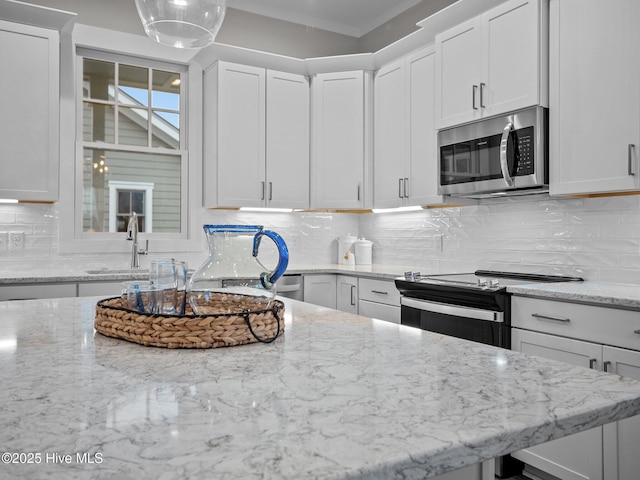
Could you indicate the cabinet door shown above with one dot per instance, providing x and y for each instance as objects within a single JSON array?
[
  {"x": 577, "y": 456},
  {"x": 347, "y": 293},
  {"x": 390, "y": 138},
  {"x": 287, "y": 140},
  {"x": 511, "y": 57},
  {"x": 423, "y": 157},
  {"x": 621, "y": 439},
  {"x": 591, "y": 151},
  {"x": 29, "y": 122},
  {"x": 241, "y": 135},
  {"x": 338, "y": 140},
  {"x": 320, "y": 290},
  {"x": 458, "y": 68}
]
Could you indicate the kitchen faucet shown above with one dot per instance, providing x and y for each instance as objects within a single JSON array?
[{"x": 132, "y": 235}]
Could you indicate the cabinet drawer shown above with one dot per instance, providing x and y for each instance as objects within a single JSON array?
[
  {"x": 380, "y": 311},
  {"x": 608, "y": 326},
  {"x": 381, "y": 291}
]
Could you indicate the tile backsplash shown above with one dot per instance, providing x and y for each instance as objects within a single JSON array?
[{"x": 596, "y": 238}]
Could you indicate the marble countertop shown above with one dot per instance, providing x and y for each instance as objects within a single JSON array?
[
  {"x": 23, "y": 273},
  {"x": 337, "y": 396},
  {"x": 620, "y": 295}
]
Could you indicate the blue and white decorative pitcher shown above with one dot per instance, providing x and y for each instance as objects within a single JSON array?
[{"x": 233, "y": 268}]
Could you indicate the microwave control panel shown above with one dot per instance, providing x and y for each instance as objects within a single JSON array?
[{"x": 524, "y": 151}]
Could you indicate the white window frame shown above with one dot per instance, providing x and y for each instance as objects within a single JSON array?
[
  {"x": 146, "y": 187},
  {"x": 125, "y": 47}
]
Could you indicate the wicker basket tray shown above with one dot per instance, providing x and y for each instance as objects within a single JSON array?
[{"x": 244, "y": 325}]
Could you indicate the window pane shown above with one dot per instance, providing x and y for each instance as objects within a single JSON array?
[
  {"x": 97, "y": 123},
  {"x": 165, "y": 129},
  {"x": 166, "y": 90},
  {"x": 124, "y": 202},
  {"x": 138, "y": 202},
  {"x": 98, "y": 79},
  {"x": 134, "y": 85},
  {"x": 152, "y": 177},
  {"x": 132, "y": 126}
]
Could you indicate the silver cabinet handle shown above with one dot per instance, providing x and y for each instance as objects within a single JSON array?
[
  {"x": 482, "y": 85},
  {"x": 406, "y": 188},
  {"x": 547, "y": 317},
  {"x": 353, "y": 294},
  {"x": 270, "y": 191},
  {"x": 359, "y": 188},
  {"x": 473, "y": 96},
  {"x": 630, "y": 149},
  {"x": 592, "y": 363},
  {"x": 606, "y": 365},
  {"x": 504, "y": 164},
  {"x": 262, "y": 188},
  {"x": 380, "y": 292},
  {"x": 400, "y": 187}
]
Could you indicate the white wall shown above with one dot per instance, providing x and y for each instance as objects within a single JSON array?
[{"x": 598, "y": 239}]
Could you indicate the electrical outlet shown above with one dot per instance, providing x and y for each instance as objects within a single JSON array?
[
  {"x": 16, "y": 240},
  {"x": 3, "y": 241}
]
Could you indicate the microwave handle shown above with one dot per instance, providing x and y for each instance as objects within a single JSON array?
[{"x": 504, "y": 164}]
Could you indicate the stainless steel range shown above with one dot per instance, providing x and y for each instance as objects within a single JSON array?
[{"x": 473, "y": 306}]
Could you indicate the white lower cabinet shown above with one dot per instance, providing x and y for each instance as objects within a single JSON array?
[
  {"x": 40, "y": 290},
  {"x": 320, "y": 290},
  {"x": 621, "y": 439},
  {"x": 106, "y": 289},
  {"x": 544, "y": 328},
  {"x": 379, "y": 299},
  {"x": 347, "y": 293}
]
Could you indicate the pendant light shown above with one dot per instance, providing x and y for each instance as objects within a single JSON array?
[{"x": 182, "y": 23}]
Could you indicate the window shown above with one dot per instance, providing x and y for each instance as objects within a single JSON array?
[
  {"x": 132, "y": 142},
  {"x": 126, "y": 198}
]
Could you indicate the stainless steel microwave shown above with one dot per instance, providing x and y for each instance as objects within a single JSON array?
[{"x": 505, "y": 154}]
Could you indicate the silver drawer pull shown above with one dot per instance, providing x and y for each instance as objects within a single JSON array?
[
  {"x": 555, "y": 319},
  {"x": 378, "y": 291}
]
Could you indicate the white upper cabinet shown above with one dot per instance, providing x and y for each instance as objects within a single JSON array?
[
  {"x": 594, "y": 114},
  {"x": 405, "y": 156},
  {"x": 423, "y": 148},
  {"x": 256, "y": 138},
  {"x": 493, "y": 63},
  {"x": 339, "y": 124},
  {"x": 287, "y": 140},
  {"x": 390, "y": 175},
  {"x": 30, "y": 119}
]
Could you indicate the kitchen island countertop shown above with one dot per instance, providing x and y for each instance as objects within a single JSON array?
[{"x": 337, "y": 396}]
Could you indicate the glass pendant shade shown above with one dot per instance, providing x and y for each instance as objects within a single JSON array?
[{"x": 182, "y": 23}]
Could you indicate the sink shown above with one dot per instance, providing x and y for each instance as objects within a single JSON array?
[{"x": 116, "y": 271}]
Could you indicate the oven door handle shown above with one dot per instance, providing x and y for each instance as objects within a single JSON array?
[{"x": 454, "y": 310}]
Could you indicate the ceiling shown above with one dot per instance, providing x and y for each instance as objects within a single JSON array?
[{"x": 348, "y": 17}]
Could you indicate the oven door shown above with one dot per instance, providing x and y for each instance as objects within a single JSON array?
[{"x": 477, "y": 325}]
